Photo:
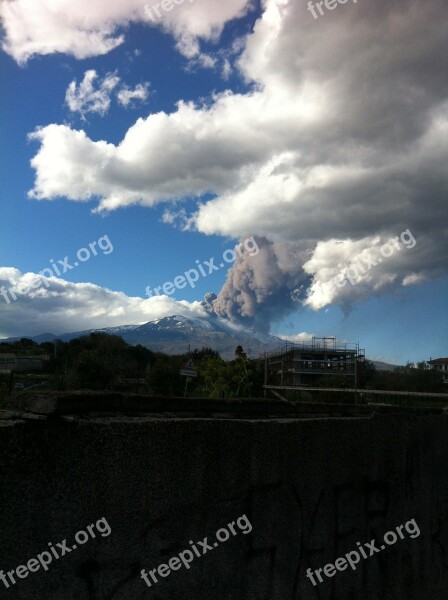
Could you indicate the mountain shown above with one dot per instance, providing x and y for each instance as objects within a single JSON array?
[
  {"x": 383, "y": 366},
  {"x": 173, "y": 335}
]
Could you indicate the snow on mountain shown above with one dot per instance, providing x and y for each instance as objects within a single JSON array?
[{"x": 175, "y": 334}]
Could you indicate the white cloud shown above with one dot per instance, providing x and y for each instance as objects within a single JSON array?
[
  {"x": 60, "y": 306},
  {"x": 413, "y": 279},
  {"x": 206, "y": 61},
  {"x": 343, "y": 140},
  {"x": 298, "y": 338},
  {"x": 85, "y": 28},
  {"x": 127, "y": 96},
  {"x": 351, "y": 270},
  {"x": 92, "y": 95},
  {"x": 226, "y": 69},
  {"x": 153, "y": 153}
]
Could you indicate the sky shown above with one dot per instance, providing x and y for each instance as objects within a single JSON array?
[{"x": 140, "y": 142}]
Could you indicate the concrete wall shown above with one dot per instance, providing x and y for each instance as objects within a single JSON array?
[{"x": 312, "y": 482}]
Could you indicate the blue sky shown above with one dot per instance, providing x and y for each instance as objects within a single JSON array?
[{"x": 255, "y": 149}]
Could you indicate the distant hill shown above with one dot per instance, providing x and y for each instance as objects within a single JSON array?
[{"x": 382, "y": 366}]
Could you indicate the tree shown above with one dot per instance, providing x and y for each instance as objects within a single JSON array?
[{"x": 214, "y": 374}]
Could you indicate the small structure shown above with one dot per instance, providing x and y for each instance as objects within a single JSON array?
[
  {"x": 17, "y": 362},
  {"x": 440, "y": 365},
  {"x": 309, "y": 363},
  {"x": 8, "y": 362}
]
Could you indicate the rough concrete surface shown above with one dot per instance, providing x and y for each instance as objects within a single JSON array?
[{"x": 312, "y": 481}]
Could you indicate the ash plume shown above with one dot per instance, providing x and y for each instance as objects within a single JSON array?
[{"x": 265, "y": 286}]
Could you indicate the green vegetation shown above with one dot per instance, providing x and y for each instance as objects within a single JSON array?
[
  {"x": 410, "y": 378},
  {"x": 106, "y": 362},
  {"x": 240, "y": 378}
]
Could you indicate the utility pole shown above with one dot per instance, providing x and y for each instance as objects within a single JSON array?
[{"x": 265, "y": 374}]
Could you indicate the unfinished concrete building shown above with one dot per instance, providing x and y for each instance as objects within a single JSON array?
[{"x": 313, "y": 363}]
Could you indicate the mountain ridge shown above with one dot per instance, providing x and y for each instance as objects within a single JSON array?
[{"x": 175, "y": 334}]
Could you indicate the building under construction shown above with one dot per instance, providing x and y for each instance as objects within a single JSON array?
[{"x": 318, "y": 362}]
